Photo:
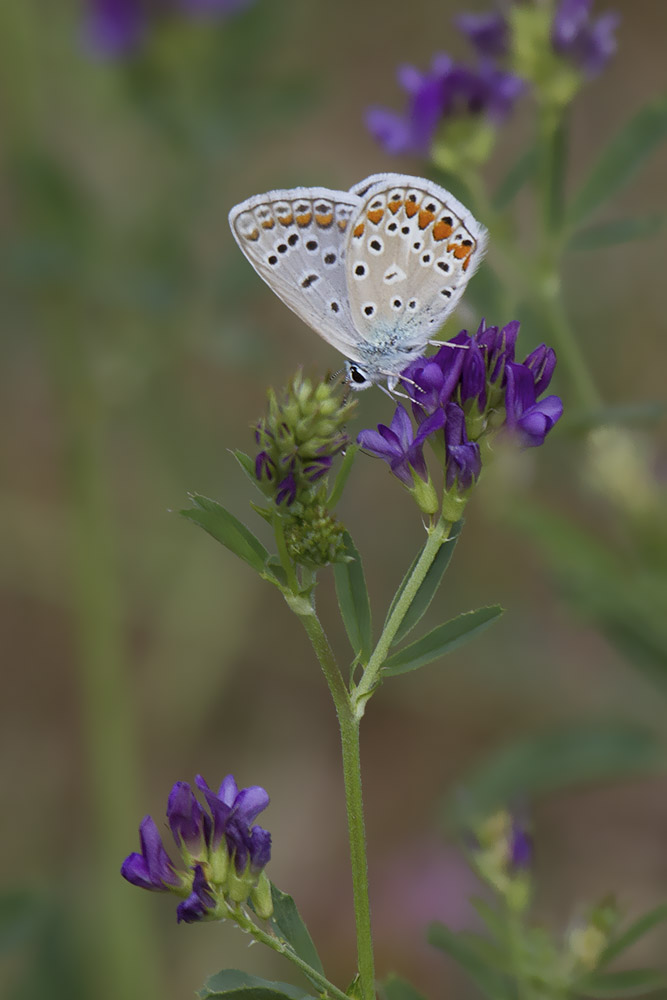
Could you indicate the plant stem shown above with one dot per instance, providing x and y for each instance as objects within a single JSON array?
[
  {"x": 551, "y": 180},
  {"x": 285, "y": 949},
  {"x": 349, "y": 722},
  {"x": 371, "y": 675}
]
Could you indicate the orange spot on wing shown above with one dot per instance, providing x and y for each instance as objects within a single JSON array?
[
  {"x": 441, "y": 231},
  {"x": 425, "y": 218},
  {"x": 460, "y": 252},
  {"x": 411, "y": 208},
  {"x": 286, "y": 220},
  {"x": 358, "y": 230},
  {"x": 394, "y": 206},
  {"x": 466, "y": 264},
  {"x": 342, "y": 225},
  {"x": 304, "y": 220},
  {"x": 375, "y": 215},
  {"x": 324, "y": 220},
  {"x": 268, "y": 224},
  {"x": 254, "y": 235}
]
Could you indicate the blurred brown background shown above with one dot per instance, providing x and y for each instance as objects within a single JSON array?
[{"x": 138, "y": 346}]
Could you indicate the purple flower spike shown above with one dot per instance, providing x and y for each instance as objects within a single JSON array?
[
  {"x": 430, "y": 382},
  {"x": 464, "y": 463},
  {"x": 286, "y": 490},
  {"x": 399, "y": 447},
  {"x": 152, "y": 869},
  {"x": 529, "y": 419},
  {"x": 199, "y": 903},
  {"x": 589, "y": 44},
  {"x": 487, "y": 32}
]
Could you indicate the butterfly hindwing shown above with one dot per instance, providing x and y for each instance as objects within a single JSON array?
[{"x": 296, "y": 240}]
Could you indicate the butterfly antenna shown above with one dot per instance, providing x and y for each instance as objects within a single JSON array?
[{"x": 448, "y": 343}]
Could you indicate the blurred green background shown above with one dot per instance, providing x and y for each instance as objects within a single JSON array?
[{"x": 138, "y": 345}]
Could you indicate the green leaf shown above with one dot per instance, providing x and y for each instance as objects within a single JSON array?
[
  {"x": 635, "y": 931},
  {"x": 628, "y": 983},
  {"x": 395, "y": 988},
  {"x": 441, "y": 640},
  {"x": 622, "y": 158},
  {"x": 491, "y": 917},
  {"x": 353, "y": 600},
  {"x": 518, "y": 174},
  {"x": 228, "y": 530},
  {"x": 615, "y": 231},
  {"x": 342, "y": 475},
  {"x": 429, "y": 585},
  {"x": 562, "y": 757},
  {"x": 248, "y": 466},
  {"x": 289, "y": 926},
  {"x": 488, "y": 980},
  {"x": 233, "y": 984}
]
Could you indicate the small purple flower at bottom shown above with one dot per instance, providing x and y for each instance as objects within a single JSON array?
[
  {"x": 152, "y": 868},
  {"x": 589, "y": 44},
  {"x": 520, "y": 848},
  {"x": 399, "y": 446},
  {"x": 199, "y": 903}
]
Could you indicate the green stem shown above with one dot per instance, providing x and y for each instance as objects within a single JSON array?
[
  {"x": 566, "y": 343},
  {"x": 371, "y": 675},
  {"x": 283, "y": 554},
  {"x": 285, "y": 949},
  {"x": 348, "y": 721},
  {"x": 551, "y": 180}
]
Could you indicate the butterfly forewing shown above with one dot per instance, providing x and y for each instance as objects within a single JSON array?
[
  {"x": 296, "y": 240},
  {"x": 412, "y": 250}
]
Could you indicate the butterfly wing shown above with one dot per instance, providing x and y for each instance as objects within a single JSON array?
[
  {"x": 413, "y": 247},
  {"x": 297, "y": 240}
]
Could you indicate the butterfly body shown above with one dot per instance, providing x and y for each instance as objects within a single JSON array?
[{"x": 375, "y": 271}]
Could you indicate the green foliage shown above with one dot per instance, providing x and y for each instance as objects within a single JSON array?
[
  {"x": 522, "y": 170},
  {"x": 465, "y": 950},
  {"x": 353, "y": 601},
  {"x": 395, "y": 988},
  {"x": 615, "y": 231},
  {"x": 233, "y": 984},
  {"x": 563, "y": 757},
  {"x": 289, "y": 926},
  {"x": 429, "y": 586},
  {"x": 228, "y": 530},
  {"x": 623, "y": 157},
  {"x": 441, "y": 640}
]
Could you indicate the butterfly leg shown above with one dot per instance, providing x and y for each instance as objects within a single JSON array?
[{"x": 448, "y": 343}]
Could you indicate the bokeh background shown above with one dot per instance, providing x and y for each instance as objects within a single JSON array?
[{"x": 137, "y": 348}]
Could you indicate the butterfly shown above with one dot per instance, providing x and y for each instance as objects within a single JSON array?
[{"x": 375, "y": 270}]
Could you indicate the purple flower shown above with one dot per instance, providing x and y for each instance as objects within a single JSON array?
[
  {"x": 430, "y": 382},
  {"x": 152, "y": 868},
  {"x": 520, "y": 847},
  {"x": 199, "y": 903},
  {"x": 233, "y": 811},
  {"x": 113, "y": 27},
  {"x": 464, "y": 463},
  {"x": 399, "y": 446},
  {"x": 189, "y": 824},
  {"x": 287, "y": 489},
  {"x": 487, "y": 32},
  {"x": 116, "y": 27},
  {"x": 589, "y": 44},
  {"x": 207, "y": 841},
  {"x": 498, "y": 345},
  {"x": 529, "y": 419},
  {"x": 447, "y": 90}
]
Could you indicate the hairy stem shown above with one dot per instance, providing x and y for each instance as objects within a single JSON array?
[{"x": 348, "y": 722}]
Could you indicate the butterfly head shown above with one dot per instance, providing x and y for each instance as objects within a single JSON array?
[{"x": 356, "y": 377}]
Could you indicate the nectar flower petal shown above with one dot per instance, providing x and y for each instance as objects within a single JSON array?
[
  {"x": 152, "y": 868},
  {"x": 199, "y": 903}
]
